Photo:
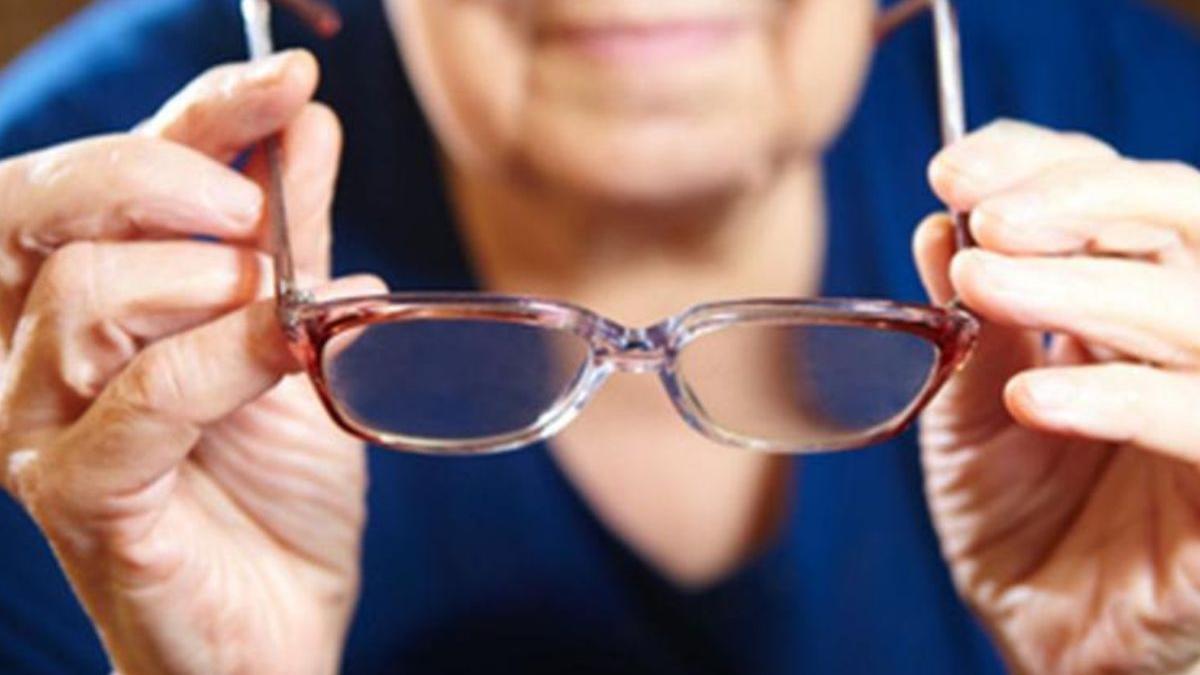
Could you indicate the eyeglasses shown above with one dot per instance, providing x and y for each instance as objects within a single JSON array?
[{"x": 476, "y": 373}]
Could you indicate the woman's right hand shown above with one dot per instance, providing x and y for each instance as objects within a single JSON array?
[{"x": 206, "y": 511}]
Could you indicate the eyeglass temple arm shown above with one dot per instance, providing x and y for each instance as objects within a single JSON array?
[
  {"x": 951, "y": 101},
  {"x": 256, "y": 18}
]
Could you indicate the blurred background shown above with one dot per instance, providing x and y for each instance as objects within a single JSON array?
[{"x": 22, "y": 21}]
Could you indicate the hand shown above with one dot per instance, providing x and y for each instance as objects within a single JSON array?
[
  {"x": 1064, "y": 475},
  {"x": 206, "y": 512}
]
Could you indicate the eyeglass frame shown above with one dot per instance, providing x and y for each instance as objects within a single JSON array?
[{"x": 310, "y": 325}]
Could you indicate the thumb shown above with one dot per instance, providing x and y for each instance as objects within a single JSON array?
[
  {"x": 972, "y": 403},
  {"x": 148, "y": 418}
]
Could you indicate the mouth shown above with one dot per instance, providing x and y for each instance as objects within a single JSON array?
[{"x": 645, "y": 44}]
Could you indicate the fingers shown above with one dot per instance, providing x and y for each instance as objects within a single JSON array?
[
  {"x": 311, "y": 149},
  {"x": 147, "y": 183},
  {"x": 230, "y": 107},
  {"x": 1002, "y": 155},
  {"x": 1039, "y": 192},
  {"x": 1119, "y": 403},
  {"x": 117, "y": 187},
  {"x": 933, "y": 248},
  {"x": 94, "y": 305},
  {"x": 1141, "y": 310},
  {"x": 148, "y": 418},
  {"x": 1112, "y": 206},
  {"x": 1038, "y": 200},
  {"x": 149, "y": 287},
  {"x": 1001, "y": 352}
]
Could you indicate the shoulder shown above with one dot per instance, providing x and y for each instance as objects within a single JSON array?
[
  {"x": 110, "y": 67},
  {"x": 1125, "y": 70}
]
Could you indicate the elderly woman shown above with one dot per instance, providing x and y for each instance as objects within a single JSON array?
[{"x": 634, "y": 158}]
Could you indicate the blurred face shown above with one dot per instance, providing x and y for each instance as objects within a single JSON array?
[{"x": 634, "y": 101}]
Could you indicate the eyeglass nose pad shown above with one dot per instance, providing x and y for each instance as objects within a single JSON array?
[{"x": 639, "y": 350}]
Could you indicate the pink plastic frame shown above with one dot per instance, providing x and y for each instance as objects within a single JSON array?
[{"x": 310, "y": 325}]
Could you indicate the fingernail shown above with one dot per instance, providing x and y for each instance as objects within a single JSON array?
[
  {"x": 1051, "y": 394},
  {"x": 269, "y": 69},
  {"x": 998, "y": 272},
  {"x": 957, "y": 175}
]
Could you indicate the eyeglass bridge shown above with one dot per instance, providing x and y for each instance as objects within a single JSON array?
[{"x": 639, "y": 350}]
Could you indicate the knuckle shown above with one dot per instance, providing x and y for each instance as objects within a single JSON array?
[
  {"x": 34, "y": 185},
  {"x": 56, "y": 165},
  {"x": 93, "y": 528},
  {"x": 67, "y": 276},
  {"x": 134, "y": 554},
  {"x": 121, "y": 156},
  {"x": 87, "y": 361},
  {"x": 46, "y": 493},
  {"x": 130, "y": 153},
  {"x": 152, "y": 385},
  {"x": 18, "y": 475},
  {"x": 185, "y": 117},
  {"x": 116, "y": 151},
  {"x": 1087, "y": 145},
  {"x": 111, "y": 161},
  {"x": 15, "y": 188}
]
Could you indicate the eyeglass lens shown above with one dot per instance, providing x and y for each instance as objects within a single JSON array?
[
  {"x": 771, "y": 385},
  {"x": 804, "y": 386},
  {"x": 452, "y": 379}
]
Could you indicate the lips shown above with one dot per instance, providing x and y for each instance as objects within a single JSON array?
[{"x": 644, "y": 42}]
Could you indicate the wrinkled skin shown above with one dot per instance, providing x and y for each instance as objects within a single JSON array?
[
  {"x": 146, "y": 404},
  {"x": 1063, "y": 479},
  {"x": 208, "y": 515}
]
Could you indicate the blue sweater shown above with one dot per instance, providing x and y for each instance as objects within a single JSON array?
[{"x": 497, "y": 564}]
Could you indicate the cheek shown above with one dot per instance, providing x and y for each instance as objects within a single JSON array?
[
  {"x": 500, "y": 101},
  {"x": 467, "y": 60},
  {"x": 826, "y": 47}
]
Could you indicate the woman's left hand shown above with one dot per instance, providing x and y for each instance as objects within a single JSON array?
[{"x": 1064, "y": 473}]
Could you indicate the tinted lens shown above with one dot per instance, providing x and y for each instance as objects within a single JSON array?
[
  {"x": 455, "y": 380},
  {"x": 804, "y": 386}
]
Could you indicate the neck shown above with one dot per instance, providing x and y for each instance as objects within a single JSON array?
[{"x": 640, "y": 265}]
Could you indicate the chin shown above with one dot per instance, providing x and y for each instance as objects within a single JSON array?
[{"x": 647, "y": 163}]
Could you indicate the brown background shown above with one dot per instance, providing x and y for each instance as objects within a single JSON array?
[{"x": 21, "y": 21}]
